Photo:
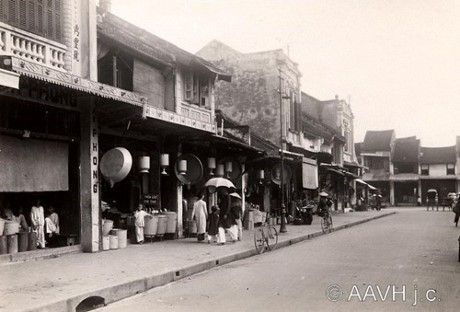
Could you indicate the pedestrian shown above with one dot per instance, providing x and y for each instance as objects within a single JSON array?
[
  {"x": 456, "y": 210},
  {"x": 200, "y": 212},
  {"x": 37, "y": 216},
  {"x": 237, "y": 214},
  {"x": 227, "y": 224},
  {"x": 213, "y": 225},
  {"x": 139, "y": 223}
]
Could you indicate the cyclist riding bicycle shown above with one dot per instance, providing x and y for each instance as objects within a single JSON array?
[{"x": 323, "y": 204}]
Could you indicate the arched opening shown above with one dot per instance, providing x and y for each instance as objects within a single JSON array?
[{"x": 90, "y": 303}]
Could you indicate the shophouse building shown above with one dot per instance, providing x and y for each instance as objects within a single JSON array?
[
  {"x": 405, "y": 179},
  {"x": 404, "y": 171},
  {"x": 97, "y": 113},
  {"x": 376, "y": 154},
  {"x": 265, "y": 94},
  {"x": 437, "y": 171},
  {"x": 337, "y": 159}
]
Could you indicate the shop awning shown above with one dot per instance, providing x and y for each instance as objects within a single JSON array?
[
  {"x": 371, "y": 187},
  {"x": 401, "y": 177},
  {"x": 75, "y": 82},
  {"x": 338, "y": 172},
  {"x": 309, "y": 174},
  {"x": 366, "y": 184}
]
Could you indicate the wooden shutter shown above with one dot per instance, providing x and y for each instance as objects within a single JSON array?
[{"x": 41, "y": 17}]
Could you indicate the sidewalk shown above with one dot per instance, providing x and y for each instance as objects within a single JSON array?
[{"x": 62, "y": 282}]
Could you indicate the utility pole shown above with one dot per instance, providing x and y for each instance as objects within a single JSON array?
[{"x": 282, "y": 143}]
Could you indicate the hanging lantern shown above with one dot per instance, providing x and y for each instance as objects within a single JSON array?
[
  {"x": 211, "y": 165},
  {"x": 143, "y": 164},
  {"x": 228, "y": 167},
  {"x": 182, "y": 167},
  {"x": 278, "y": 173},
  {"x": 261, "y": 174},
  {"x": 164, "y": 163},
  {"x": 220, "y": 170}
]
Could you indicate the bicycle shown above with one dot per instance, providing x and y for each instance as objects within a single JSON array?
[
  {"x": 326, "y": 222},
  {"x": 265, "y": 235}
]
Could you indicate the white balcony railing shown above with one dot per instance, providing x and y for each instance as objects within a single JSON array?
[
  {"x": 195, "y": 112},
  {"x": 31, "y": 47}
]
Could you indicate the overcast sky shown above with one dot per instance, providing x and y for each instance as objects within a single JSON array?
[{"x": 396, "y": 61}]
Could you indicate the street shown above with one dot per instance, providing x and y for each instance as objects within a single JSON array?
[{"x": 405, "y": 261}]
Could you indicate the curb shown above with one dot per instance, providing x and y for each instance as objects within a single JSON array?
[{"x": 118, "y": 292}]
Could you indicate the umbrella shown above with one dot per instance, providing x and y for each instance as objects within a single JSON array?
[
  {"x": 235, "y": 194},
  {"x": 431, "y": 191},
  {"x": 219, "y": 182}
]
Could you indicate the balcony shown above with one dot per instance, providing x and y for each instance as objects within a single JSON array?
[
  {"x": 190, "y": 116},
  {"x": 31, "y": 47},
  {"x": 195, "y": 112}
]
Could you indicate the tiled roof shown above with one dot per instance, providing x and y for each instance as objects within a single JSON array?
[
  {"x": 406, "y": 150},
  {"x": 313, "y": 127},
  {"x": 378, "y": 141},
  {"x": 438, "y": 155},
  {"x": 150, "y": 46}
]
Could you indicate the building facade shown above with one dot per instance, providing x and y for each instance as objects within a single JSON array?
[
  {"x": 88, "y": 85},
  {"x": 404, "y": 171}
]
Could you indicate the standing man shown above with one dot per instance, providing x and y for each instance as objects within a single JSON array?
[
  {"x": 200, "y": 212},
  {"x": 37, "y": 216},
  {"x": 456, "y": 210}
]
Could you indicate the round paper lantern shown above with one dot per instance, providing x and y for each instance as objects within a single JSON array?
[{"x": 116, "y": 164}]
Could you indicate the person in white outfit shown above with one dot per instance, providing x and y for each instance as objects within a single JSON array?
[
  {"x": 37, "y": 216},
  {"x": 52, "y": 222},
  {"x": 139, "y": 223},
  {"x": 200, "y": 212}
]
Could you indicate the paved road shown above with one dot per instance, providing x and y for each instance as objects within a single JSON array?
[{"x": 403, "y": 262}]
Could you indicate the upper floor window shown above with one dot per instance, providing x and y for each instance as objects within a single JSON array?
[
  {"x": 450, "y": 168},
  {"x": 405, "y": 168},
  {"x": 425, "y": 169},
  {"x": 116, "y": 69},
  {"x": 41, "y": 17},
  {"x": 377, "y": 163},
  {"x": 196, "y": 90}
]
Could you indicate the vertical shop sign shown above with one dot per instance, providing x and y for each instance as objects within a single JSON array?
[
  {"x": 94, "y": 155},
  {"x": 76, "y": 38}
]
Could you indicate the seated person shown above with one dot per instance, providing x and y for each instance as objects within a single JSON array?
[{"x": 52, "y": 223}]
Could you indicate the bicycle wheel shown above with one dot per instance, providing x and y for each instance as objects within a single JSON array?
[
  {"x": 271, "y": 237},
  {"x": 331, "y": 227},
  {"x": 259, "y": 240},
  {"x": 324, "y": 225}
]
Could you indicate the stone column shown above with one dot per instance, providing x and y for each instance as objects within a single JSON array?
[
  {"x": 243, "y": 186},
  {"x": 179, "y": 198},
  {"x": 392, "y": 193},
  {"x": 89, "y": 177}
]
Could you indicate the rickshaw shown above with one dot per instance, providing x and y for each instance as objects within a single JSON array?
[
  {"x": 432, "y": 199},
  {"x": 449, "y": 201}
]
